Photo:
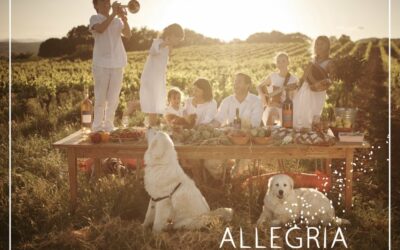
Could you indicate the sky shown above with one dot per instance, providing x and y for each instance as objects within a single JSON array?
[{"x": 223, "y": 19}]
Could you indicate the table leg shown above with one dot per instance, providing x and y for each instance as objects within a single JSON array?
[
  {"x": 328, "y": 167},
  {"x": 97, "y": 168},
  {"x": 73, "y": 178},
  {"x": 349, "y": 178}
]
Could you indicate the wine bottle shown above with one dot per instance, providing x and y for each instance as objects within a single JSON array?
[
  {"x": 237, "y": 122},
  {"x": 86, "y": 112},
  {"x": 287, "y": 112}
]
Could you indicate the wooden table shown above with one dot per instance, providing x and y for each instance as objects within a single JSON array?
[{"x": 76, "y": 147}]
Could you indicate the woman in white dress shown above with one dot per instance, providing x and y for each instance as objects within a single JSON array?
[
  {"x": 153, "y": 80},
  {"x": 202, "y": 103},
  {"x": 310, "y": 99},
  {"x": 274, "y": 83}
]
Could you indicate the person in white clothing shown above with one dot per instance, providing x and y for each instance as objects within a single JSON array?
[
  {"x": 202, "y": 103},
  {"x": 309, "y": 100},
  {"x": 272, "y": 90},
  {"x": 109, "y": 59},
  {"x": 250, "y": 106},
  {"x": 250, "y": 112},
  {"x": 174, "y": 102},
  {"x": 153, "y": 86}
]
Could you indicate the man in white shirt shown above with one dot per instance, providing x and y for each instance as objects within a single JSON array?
[
  {"x": 250, "y": 112},
  {"x": 249, "y": 105},
  {"x": 109, "y": 59}
]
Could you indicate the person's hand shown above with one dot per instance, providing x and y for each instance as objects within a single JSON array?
[
  {"x": 116, "y": 8},
  {"x": 122, "y": 14}
]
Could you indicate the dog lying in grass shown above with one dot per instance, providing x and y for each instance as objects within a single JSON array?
[
  {"x": 175, "y": 200},
  {"x": 284, "y": 205}
]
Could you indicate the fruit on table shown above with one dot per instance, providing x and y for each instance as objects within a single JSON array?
[
  {"x": 95, "y": 137},
  {"x": 105, "y": 136},
  {"x": 346, "y": 123}
]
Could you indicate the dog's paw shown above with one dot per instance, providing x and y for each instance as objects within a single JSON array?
[
  {"x": 259, "y": 222},
  {"x": 275, "y": 223}
]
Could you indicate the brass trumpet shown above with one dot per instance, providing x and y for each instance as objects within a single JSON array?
[{"x": 133, "y": 6}]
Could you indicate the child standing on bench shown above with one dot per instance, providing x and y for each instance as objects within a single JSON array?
[
  {"x": 153, "y": 87},
  {"x": 109, "y": 59}
]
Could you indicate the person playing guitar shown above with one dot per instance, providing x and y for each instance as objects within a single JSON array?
[{"x": 272, "y": 90}]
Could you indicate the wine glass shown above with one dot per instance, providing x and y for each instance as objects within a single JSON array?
[{"x": 125, "y": 121}]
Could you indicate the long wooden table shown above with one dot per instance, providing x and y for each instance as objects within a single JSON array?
[{"x": 76, "y": 147}]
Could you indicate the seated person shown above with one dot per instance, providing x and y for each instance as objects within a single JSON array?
[
  {"x": 272, "y": 90},
  {"x": 249, "y": 105},
  {"x": 174, "y": 114},
  {"x": 250, "y": 112},
  {"x": 202, "y": 102}
]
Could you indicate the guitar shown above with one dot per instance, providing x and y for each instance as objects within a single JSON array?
[{"x": 274, "y": 98}]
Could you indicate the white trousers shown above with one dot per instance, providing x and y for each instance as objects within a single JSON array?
[{"x": 107, "y": 86}]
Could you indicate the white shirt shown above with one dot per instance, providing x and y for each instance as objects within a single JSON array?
[
  {"x": 108, "y": 51},
  {"x": 153, "y": 81},
  {"x": 171, "y": 110},
  {"x": 205, "y": 112},
  {"x": 278, "y": 80},
  {"x": 250, "y": 109}
]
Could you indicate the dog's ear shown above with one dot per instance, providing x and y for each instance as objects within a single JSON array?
[
  {"x": 150, "y": 134},
  {"x": 291, "y": 182},
  {"x": 269, "y": 183}
]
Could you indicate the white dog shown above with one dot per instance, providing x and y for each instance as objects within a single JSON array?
[
  {"x": 284, "y": 205},
  {"x": 175, "y": 199}
]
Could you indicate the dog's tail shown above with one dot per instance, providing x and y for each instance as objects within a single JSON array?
[
  {"x": 224, "y": 214},
  {"x": 341, "y": 222},
  {"x": 204, "y": 220}
]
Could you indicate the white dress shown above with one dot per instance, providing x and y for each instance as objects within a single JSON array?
[
  {"x": 153, "y": 89},
  {"x": 205, "y": 112},
  {"x": 277, "y": 81},
  {"x": 307, "y": 103},
  {"x": 171, "y": 110}
]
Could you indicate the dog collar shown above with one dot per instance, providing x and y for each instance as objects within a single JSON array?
[{"x": 168, "y": 196}]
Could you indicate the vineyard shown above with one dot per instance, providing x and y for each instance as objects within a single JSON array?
[{"x": 45, "y": 107}]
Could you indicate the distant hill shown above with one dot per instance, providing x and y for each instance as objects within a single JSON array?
[{"x": 19, "y": 47}]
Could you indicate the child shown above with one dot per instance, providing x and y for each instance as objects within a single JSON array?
[
  {"x": 174, "y": 102},
  {"x": 153, "y": 79},
  {"x": 310, "y": 99},
  {"x": 272, "y": 90},
  {"x": 109, "y": 59},
  {"x": 174, "y": 113}
]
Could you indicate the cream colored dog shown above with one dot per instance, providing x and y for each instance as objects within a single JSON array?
[
  {"x": 175, "y": 199},
  {"x": 284, "y": 205}
]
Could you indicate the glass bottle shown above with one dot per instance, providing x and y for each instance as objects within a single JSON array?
[
  {"x": 237, "y": 122},
  {"x": 86, "y": 112},
  {"x": 287, "y": 112}
]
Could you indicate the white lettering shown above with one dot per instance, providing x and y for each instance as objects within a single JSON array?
[
  {"x": 274, "y": 237},
  {"x": 312, "y": 237},
  {"x": 298, "y": 238},
  {"x": 339, "y": 231},
  {"x": 241, "y": 240},
  {"x": 224, "y": 238},
  {"x": 258, "y": 246}
]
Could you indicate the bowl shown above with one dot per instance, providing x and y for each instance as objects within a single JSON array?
[
  {"x": 239, "y": 140},
  {"x": 262, "y": 140},
  {"x": 336, "y": 130}
]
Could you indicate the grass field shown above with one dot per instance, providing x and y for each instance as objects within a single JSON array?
[{"x": 46, "y": 95}]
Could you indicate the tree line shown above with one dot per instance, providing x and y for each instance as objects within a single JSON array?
[{"x": 78, "y": 42}]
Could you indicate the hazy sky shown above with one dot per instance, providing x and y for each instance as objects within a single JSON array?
[{"x": 224, "y": 19}]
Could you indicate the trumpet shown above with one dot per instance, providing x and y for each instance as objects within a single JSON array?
[{"x": 133, "y": 6}]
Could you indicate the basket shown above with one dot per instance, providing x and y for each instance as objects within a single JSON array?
[
  {"x": 239, "y": 140},
  {"x": 346, "y": 114},
  {"x": 336, "y": 130},
  {"x": 262, "y": 140}
]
